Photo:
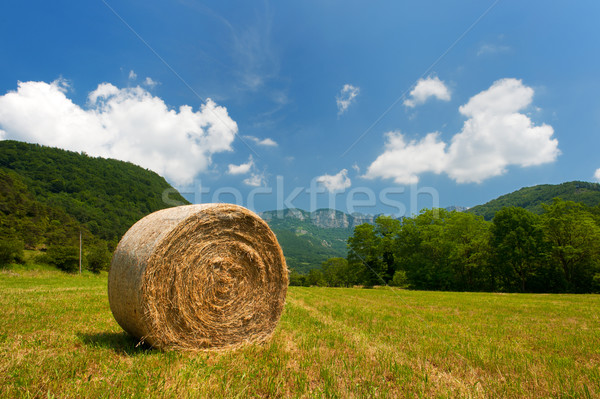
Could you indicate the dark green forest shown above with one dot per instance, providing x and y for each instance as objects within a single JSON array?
[
  {"x": 48, "y": 196},
  {"x": 517, "y": 251}
]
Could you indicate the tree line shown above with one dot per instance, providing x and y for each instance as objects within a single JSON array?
[{"x": 517, "y": 251}]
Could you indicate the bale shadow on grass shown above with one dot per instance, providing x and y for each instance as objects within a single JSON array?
[{"x": 120, "y": 342}]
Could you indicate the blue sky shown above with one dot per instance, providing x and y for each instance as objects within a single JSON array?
[{"x": 313, "y": 104}]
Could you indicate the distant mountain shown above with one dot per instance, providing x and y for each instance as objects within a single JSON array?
[
  {"x": 324, "y": 218},
  {"x": 43, "y": 188},
  {"x": 309, "y": 238},
  {"x": 532, "y": 198}
]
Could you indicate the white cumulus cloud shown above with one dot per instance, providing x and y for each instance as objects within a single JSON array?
[
  {"x": 425, "y": 89},
  {"x": 241, "y": 169},
  {"x": 262, "y": 142},
  {"x": 346, "y": 97},
  {"x": 495, "y": 135},
  {"x": 597, "y": 174},
  {"x": 337, "y": 182},
  {"x": 127, "y": 124},
  {"x": 404, "y": 161}
]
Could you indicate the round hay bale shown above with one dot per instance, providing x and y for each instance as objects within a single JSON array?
[{"x": 198, "y": 277}]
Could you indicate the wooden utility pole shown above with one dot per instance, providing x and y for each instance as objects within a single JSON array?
[{"x": 80, "y": 251}]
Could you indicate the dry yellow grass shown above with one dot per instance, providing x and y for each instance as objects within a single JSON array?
[{"x": 59, "y": 339}]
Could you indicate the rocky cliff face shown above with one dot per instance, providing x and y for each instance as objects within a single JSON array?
[
  {"x": 329, "y": 218},
  {"x": 323, "y": 218}
]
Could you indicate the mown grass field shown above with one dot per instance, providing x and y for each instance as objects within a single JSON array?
[{"x": 59, "y": 339}]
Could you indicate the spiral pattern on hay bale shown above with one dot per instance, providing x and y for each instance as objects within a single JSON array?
[{"x": 195, "y": 277}]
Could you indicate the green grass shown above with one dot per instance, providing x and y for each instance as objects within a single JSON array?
[{"x": 59, "y": 339}]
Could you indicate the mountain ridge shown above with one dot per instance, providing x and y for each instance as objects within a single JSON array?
[
  {"x": 531, "y": 198},
  {"x": 323, "y": 217}
]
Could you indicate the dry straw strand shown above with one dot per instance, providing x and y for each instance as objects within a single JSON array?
[{"x": 196, "y": 277}]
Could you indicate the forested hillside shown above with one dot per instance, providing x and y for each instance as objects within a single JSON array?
[
  {"x": 104, "y": 195},
  {"x": 532, "y": 198},
  {"x": 48, "y": 196},
  {"x": 24, "y": 218}
]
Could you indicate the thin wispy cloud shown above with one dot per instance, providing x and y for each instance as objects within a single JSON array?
[
  {"x": 266, "y": 142},
  {"x": 149, "y": 82},
  {"x": 252, "y": 56},
  {"x": 132, "y": 75},
  {"x": 346, "y": 97},
  {"x": 426, "y": 89},
  {"x": 489, "y": 48}
]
